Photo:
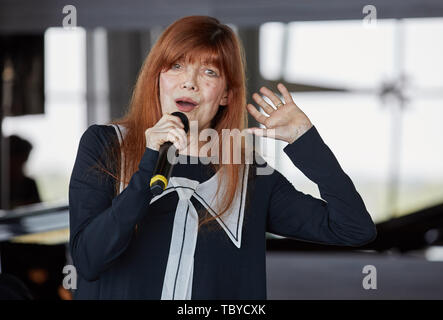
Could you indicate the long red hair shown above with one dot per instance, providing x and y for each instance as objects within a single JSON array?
[{"x": 190, "y": 38}]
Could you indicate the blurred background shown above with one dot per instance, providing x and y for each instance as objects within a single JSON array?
[{"x": 369, "y": 76}]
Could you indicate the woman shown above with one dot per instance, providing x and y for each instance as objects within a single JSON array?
[{"x": 204, "y": 236}]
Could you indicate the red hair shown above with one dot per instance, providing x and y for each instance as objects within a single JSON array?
[{"x": 190, "y": 38}]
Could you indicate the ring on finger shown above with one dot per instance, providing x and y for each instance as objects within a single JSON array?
[{"x": 279, "y": 104}]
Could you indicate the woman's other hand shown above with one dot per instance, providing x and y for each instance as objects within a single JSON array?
[{"x": 287, "y": 119}]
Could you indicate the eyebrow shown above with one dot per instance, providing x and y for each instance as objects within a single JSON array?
[{"x": 205, "y": 59}]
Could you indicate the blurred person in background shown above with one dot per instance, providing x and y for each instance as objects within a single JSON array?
[
  {"x": 23, "y": 189},
  {"x": 37, "y": 267}
]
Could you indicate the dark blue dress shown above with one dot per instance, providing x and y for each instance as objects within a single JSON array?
[{"x": 167, "y": 257}]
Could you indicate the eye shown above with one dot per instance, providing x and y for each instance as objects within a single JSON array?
[
  {"x": 211, "y": 72},
  {"x": 176, "y": 66}
]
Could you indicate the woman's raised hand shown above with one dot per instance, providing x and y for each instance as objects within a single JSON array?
[
  {"x": 168, "y": 128},
  {"x": 287, "y": 118}
]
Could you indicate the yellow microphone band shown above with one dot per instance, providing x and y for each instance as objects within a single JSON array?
[{"x": 159, "y": 177}]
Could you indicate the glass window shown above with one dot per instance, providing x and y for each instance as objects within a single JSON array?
[
  {"x": 55, "y": 134},
  {"x": 385, "y": 144}
]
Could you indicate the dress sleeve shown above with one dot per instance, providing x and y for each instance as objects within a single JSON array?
[
  {"x": 101, "y": 225},
  {"x": 340, "y": 219}
]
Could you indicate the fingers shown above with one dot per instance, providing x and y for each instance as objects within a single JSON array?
[
  {"x": 171, "y": 137},
  {"x": 167, "y": 121},
  {"x": 174, "y": 119},
  {"x": 285, "y": 93},
  {"x": 271, "y": 95},
  {"x": 177, "y": 120},
  {"x": 256, "y": 114},
  {"x": 178, "y": 138},
  {"x": 262, "y": 103},
  {"x": 168, "y": 128}
]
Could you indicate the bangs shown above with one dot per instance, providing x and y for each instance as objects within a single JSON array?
[{"x": 204, "y": 55}]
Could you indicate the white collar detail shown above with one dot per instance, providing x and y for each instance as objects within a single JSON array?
[{"x": 232, "y": 220}]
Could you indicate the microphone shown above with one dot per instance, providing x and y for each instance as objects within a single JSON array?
[{"x": 163, "y": 169}]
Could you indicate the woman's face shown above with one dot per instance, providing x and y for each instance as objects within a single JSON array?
[{"x": 194, "y": 88}]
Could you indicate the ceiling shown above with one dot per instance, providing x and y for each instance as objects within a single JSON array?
[{"x": 35, "y": 16}]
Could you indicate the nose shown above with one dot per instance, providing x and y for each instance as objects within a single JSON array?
[
  {"x": 189, "y": 85},
  {"x": 189, "y": 81}
]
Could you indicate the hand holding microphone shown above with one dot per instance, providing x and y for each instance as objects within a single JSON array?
[
  {"x": 169, "y": 131},
  {"x": 169, "y": 128}
]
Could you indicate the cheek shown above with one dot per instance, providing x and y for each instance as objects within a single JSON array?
[
  {"x": 166, "y": 84},
  {"x": 214, "y": 91}
]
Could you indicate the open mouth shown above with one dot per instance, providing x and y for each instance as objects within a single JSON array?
[{"x": 185, "y": 105}]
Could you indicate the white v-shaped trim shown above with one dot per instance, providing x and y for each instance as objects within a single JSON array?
[
  {"x": 205, "y": 193},
  {"x": 232, "y": 221}
]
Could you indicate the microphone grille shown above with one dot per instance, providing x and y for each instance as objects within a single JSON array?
[{"x": 183, "y": 118}]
